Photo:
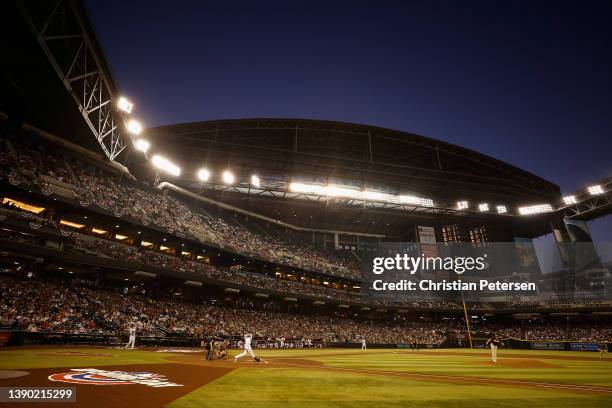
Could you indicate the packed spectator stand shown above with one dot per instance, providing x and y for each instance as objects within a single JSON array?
[
  {"x": 90, "y": 185},
  {"x": 42, "y": 305},
  {"x": 39, "y": 305}
]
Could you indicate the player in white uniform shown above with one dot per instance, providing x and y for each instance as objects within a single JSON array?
[
  {"x": 493, "y": 343},
  {"x": 247, "y": 349},
  {"x": 132, "y": 339},
  {"x": 363, "y": 344}
]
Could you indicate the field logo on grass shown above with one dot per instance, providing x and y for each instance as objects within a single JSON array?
[{"x": 95, "y": 376}]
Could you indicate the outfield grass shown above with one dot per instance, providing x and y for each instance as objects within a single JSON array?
[
  {"x": 295, "y": 387},
  {"x": 304, "y": 388},
  {"x": 549, "y": 369}
]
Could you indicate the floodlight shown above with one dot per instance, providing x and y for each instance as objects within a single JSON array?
[
  {"x": 255, "y": 182},
  {"x": 203, "y": 174},
  {"x": 501, "y": 209},
  {"x": 297, "y": 187},
  {"x": 595, "y": 190},
  {"x": 142, "y": 145},
  {"x": 409, "y": 199},
  {"x": 228, "y": 177},
  {"x": 535, "y": 209},
  {"x": 483, "y": 207},
  {"x": 166, "y": 165},
  {"x": 308, "y": 188},
  {"x": 376, "y": 196},
  {"x": 125, "y": 105},
  {"x": 134, "y": 127},
  {"x": 334, "y": 191},
  {"x": 569, "y": 200},
  {"x": 462, "y": 205}
]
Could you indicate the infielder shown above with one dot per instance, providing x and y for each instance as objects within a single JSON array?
[
  {"x": 132, "y": 339},
  {"x": 603, "y": 348},
  {"x": 247, "y": 349},
  {"x": 363, "y": 344},
  {"x": 493, "y": 343}
]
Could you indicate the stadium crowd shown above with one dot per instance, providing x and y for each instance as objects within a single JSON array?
[
  {"x": 125, "y": 252},
  {"x": 79, "y": 307},
  {"x": 79, "y": 242},
  {"x": 136, "y": 201},
  {"x": 130, "y": 253},
  {"x": 537, "y": 330},
  {"x": 37, "y": 306},
  {"x": 146, "y": 206}
]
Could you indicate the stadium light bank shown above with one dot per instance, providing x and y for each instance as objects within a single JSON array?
[
  {"x": 132, "y": 125},
  {"x": 142, "y": 145},
  {"x": 203, "y": 175},
  {"x": 342, "y": 192},
  {"x": 255, "y": 181},
  {"x": 228, "y": 177},
  {"x": 166, "y": 165},
  {"x": 125, "y": 105},
  {"x": 535, "y": 209}
]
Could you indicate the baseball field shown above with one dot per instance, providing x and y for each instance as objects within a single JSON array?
[{"x": 180, "y": 378}]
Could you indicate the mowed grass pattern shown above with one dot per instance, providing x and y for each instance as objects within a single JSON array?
[
  {"x": 355, "y": 378},
  {"x": 339, "y": 385},
  {"x": 595, "y": 371}
]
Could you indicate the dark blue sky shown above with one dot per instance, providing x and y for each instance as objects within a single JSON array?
[{"x": 528, "y": 82}]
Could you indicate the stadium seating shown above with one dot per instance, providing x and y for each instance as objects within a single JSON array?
[
  {"x": 93, "y": 186},
  {"x": 43, "y": 305},
  {"x": 80, "y": 308}
]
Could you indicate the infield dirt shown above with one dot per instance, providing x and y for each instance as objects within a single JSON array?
[{"x": 128, "y": 395}]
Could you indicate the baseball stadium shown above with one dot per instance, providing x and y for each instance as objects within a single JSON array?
[{"x": 230, "y": 262}]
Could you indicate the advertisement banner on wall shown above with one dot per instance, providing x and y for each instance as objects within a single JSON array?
[{"x": 427, "y": 238}]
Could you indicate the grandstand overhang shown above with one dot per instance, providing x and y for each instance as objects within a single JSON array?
[
  {"x": 361, "y": 155},
  {"x": 367, "y": 158}
]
